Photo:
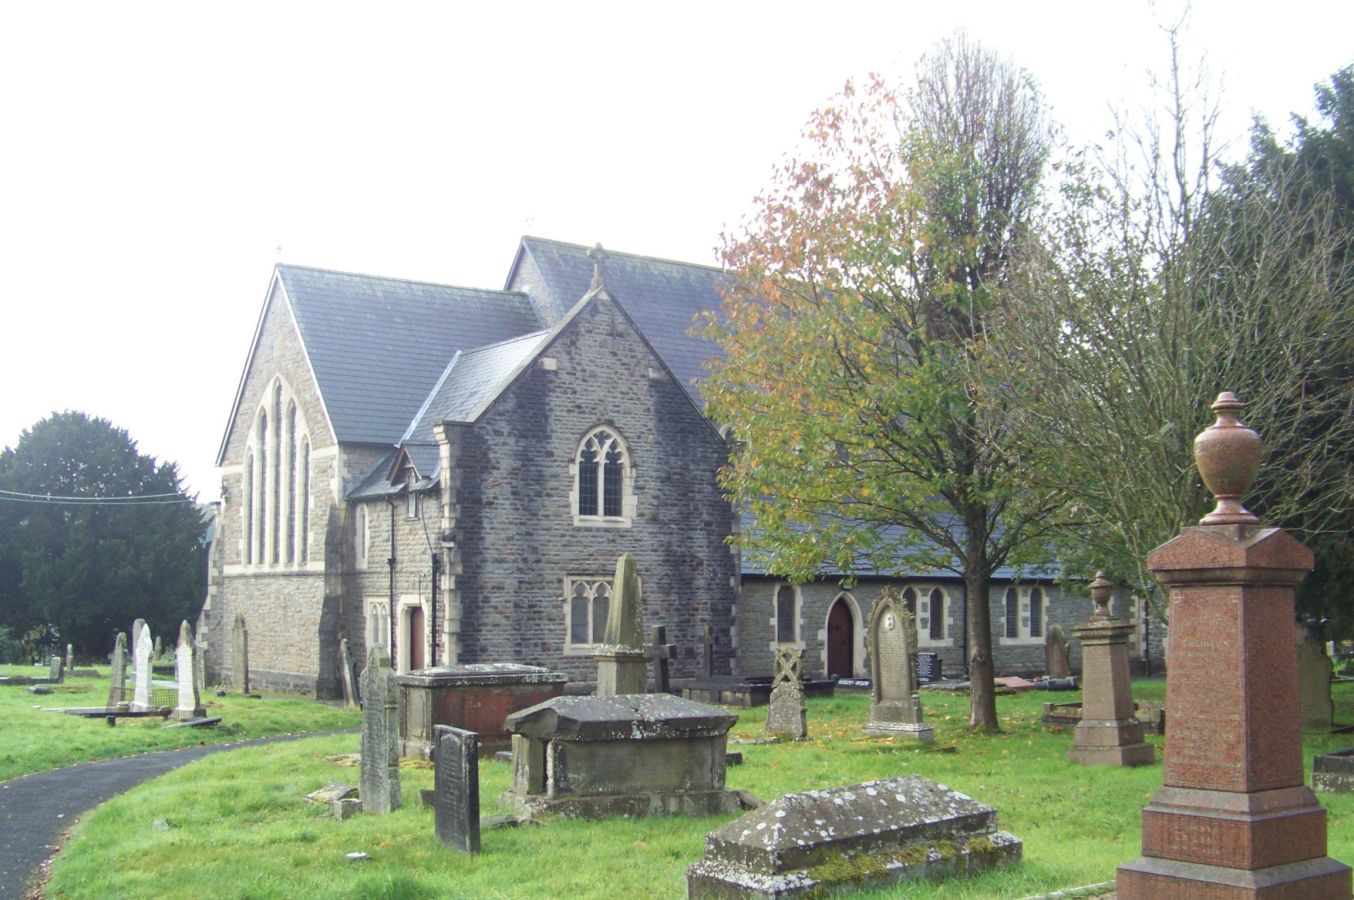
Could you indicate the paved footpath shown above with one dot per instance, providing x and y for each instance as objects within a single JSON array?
[{"x": 36, "y": 809}]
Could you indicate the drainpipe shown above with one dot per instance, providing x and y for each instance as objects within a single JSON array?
[
  {"x": 394, "y": 613},
  {"x": 432, "y": 613}
]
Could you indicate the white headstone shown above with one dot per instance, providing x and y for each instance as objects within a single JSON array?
[
  {"x": 141, "y": 697},
  {"x": 185, "y": 673}
]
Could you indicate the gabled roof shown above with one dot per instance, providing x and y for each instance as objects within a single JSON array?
[
  {"x": 377, "y": 345},
  {"x": 663, "y": 297}
]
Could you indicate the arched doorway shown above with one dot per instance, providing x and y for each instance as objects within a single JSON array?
[
  {"x": 414, "y": 635},
  {"x": 841, "y": 639}
]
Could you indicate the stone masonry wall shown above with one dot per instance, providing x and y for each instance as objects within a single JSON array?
[{"x": 515, "y": 532}]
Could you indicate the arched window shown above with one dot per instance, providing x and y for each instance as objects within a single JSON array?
[
  {"x": 1036, "y": 613},
  {"x": 260, "y": 490},
  {"x": 787, "y": 623},
  {"x": 937, "y": 614},
  {"x": 361, "y": 539},
  {"x": 910, "y": 600},
  {"x": 603, "y": 480},
  {"x": 247, "y": 508},
  {"x": 586, "y": 603},
  {"x": 1012, "y": 613},
  {"x": 275, "y": 479},
  {"x": 303, "y": 500},
  {"x": 290, "y": 514}
]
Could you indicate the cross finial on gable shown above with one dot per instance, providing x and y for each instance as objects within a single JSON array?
[{"x": 597, "y": 255}]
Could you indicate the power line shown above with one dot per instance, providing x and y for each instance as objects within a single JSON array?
[{"x": 60, "y": 500}]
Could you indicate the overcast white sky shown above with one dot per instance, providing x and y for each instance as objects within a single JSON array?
[{"x": 157, "y": 159}]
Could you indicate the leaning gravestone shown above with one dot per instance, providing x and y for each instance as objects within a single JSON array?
[
  {"x": 1056, "y": 662},
  {"x": 239, "y": 644},
  {"x": 141, "y": 699},
  {"x": 117, "y": 686},
  {"x": 621, "y": 664},
  {"x": 380, "y": 769},
  {"x": 456, "y": 788},
  {"x": 851, "y": 838},
  {"x": 785, "y": 714},
  {"x": 189, "y": 705},
  {"x": 1314, "y": 679},
  {"x": 895, "y": 705}
]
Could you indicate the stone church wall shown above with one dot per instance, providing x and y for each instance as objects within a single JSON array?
[{"x": 516, "y": 534}]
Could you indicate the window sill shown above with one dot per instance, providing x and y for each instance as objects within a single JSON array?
[{"x": 602, "y": 521}]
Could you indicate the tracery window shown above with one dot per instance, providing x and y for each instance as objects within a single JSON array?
[
  {"x": 586, "y": 600},
  {"x": 276, "y": 502},
  {"x": 603, "y": 480}
]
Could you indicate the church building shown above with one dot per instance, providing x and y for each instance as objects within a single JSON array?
[{"x": 452, "y": 472}]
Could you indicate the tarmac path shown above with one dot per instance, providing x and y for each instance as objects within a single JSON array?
[{"x": 35, "y": 810}]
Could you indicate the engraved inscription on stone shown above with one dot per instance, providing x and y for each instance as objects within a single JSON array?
[{"x": 456, "y": 788}]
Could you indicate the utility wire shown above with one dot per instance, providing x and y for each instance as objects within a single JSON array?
[
  {"x": 73, "y": 497},
  {"x": 53, "y": 500}
]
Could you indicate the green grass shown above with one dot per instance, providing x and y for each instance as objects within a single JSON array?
[
  {"x": 239, "y": 826},
  {"x": 32, "y": 740}
]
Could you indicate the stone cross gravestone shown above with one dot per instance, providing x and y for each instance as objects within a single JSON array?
[
  {"x": 1233, "y": 817},
  {"x": 189, "y": 705},
  {"x": 1056, "y": 662},
  {"x": 141, "y": 697},
  {"x": 1314, "y": 680},
  {"x": 239, "y": 645},
  {"x": 456, "y": 788},
  {"x": 1107, "y": 734},
  {"x": 785, "y": 714},
  {"x": 380, "y": 769},
  {"x": 621, "y": 665},
  {"x": 895, "y": 706},
  {"x": 117, "y": 686},
  {"x": 662, "y": 653}
]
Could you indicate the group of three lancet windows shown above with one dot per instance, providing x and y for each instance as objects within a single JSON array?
[{"x": 276, "y": 503}]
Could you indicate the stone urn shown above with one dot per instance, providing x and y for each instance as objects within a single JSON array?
[{"x": 1227, "y": 454}]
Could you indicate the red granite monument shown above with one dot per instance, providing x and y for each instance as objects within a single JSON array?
[
  {"x": 1108, "y": 733},
  {"x": 1233, "y": 817}
]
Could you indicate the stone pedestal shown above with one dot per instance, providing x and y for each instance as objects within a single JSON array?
[
  {"x": 1108, "y": 734},
  {"x": 476, "y": 698},
  {"x": 627, "y": 755},
  {"x": 621, "y": 670}
]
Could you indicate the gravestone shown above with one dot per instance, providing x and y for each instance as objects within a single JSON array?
[
  {"x": 159, "y": 652},
  {"x": 456, "y": 789},
  {"x": 1234, "y": 817},
  {"x": 56, "y": 670},
  {"x": 1056, "y": 662},
  {"x": 895, "y": 705},
  {"x": 476, "y": 697},
  {"x": 1107, "y": 732},
  {"x": 621, "y": 666},
  {"x": 199, "y": 667},
  {"x": 662, "y": 653},
  {"x": 785, "y": 714},
  {"x": 136, "y": 635},
  {"x": 1314, "y": 680},
  {"x": 851, "y": 838},
  {"x": 380, "y": 767},
  {"x": 70, "y": 659},
  {"x": 627, "y": 755},
  {"x": 239, "y": 646},
  {"x": 189, "y": 705},
  {"x": 346, "y": 661},
  {"x": 117, "y": 685},
  {"x": 141, "y": 697}
]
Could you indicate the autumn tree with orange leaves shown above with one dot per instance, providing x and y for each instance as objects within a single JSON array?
[{"x": 856, "y": 374}]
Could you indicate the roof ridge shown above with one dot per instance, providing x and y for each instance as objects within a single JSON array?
[
  {"x": 521, "y": 337},
  {"x": 636, "y": 256},
  {"x": 397, "y": 280},
  {"x": 428, "y": 399}
]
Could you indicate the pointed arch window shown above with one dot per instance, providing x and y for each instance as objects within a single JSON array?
[
  {"x": 247, "y": 508},
  {"x": 303, "y": 500},
  {"x": 1012, "y": 613},
  {"x": 787, "y": 615},
  {"x": 277, "y": 479},
  {"x": 937, "y": 615},
  {"x": 1036, "y": 612},
  {"x": 603, "y": 480},
  {"x": 1026, "y": 613}
]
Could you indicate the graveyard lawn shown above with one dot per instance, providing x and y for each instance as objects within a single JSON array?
[
  {"x": 32, "y": 740},
  {"x": 238, "y": 824}
]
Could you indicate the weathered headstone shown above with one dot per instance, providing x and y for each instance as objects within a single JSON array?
[
  {"x": 627, "y": 755},
  {"x": 199, "y": 667},
  {"x": 621, "y": 666},
  {"x": 117, "y": 686},
  {"x": 1233, "y": 817},
  {"x": 1314, "y": 680},
  {"x": 70, "y": 659},
  {"x": 662, "y": 653},
  {"x": 1056, "y": 662},
  {"x": 456, "y": 786},
  {"x": 159, "y": 651},
  {"x": 1107, "y": 734},
  {"x": 189, "y": 705},
  {"x": 56, "y": 670},
  {"x": 141, "y": 698},
  {"x": 136, "y": 635},
  {"x": 785, "y": 714},
  {"x": 851, "y": 838},
  {"x": 239, "y": 645},
  {"x": 380, "y": 767},
  {"x": 895, "y": 705},
  {"x": 346, "y": 661}
]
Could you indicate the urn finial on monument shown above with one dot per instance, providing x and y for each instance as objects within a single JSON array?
[
  {"x": 1101, "y": 591},
  {"x": 1227, "y": 455}
]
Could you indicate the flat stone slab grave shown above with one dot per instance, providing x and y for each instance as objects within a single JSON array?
[
  {"x": 621, "y": 755},
  {"x": 1334, "y": 772},
  {"x": 851, "y": 838},
  {"x": 476, "y": 697},
  {"x": 747, "y": 692}
]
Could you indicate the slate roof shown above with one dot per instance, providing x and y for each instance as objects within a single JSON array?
[
  {"x": 662, "y": 296},
  {"x": 377, "y": 345},
  {"x": 471, "y": 379}
]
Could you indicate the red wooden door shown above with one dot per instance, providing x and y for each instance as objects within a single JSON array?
[
  {"x": 415, "y": 638},
  {"x": 841, "y": 640}
]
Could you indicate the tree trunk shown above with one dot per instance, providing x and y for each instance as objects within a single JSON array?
[{"x": 978, "y": 620}]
